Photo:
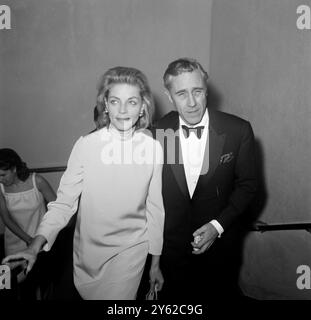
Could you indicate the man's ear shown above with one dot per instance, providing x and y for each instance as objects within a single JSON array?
[{"x": 168, "y": 95}]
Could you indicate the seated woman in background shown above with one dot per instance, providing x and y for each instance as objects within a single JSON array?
[
  {"x": 22, "y": 201},
  {"x": 121, "y": 214}
]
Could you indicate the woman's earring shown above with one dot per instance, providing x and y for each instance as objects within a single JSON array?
[
  {"x": 105, "y": 106},
  {"x": 142, "y": 112}
]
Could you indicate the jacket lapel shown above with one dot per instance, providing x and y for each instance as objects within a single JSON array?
[
  {"x": 213, "y": 150},
  {"x": 216, "y": 144},
  {"x": 178, "y": 169},
  {"x": 176, "y": 163}
]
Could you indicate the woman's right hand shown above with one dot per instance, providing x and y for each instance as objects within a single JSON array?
[{"x": 29, "y": 255}]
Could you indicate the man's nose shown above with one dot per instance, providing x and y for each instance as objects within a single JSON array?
[{"x": 191, "y": 101}]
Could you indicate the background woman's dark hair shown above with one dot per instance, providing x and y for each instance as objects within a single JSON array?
[{"x": 9, "y": 159}]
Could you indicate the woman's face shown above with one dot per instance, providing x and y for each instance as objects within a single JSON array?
[
  {"x": 124, "y": 105},
  {"x": 7, "y": 177}
]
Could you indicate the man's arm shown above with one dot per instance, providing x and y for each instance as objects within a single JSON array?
[
  {"x": 245, "y": 183},
  {"x": 245, "y": 187}
]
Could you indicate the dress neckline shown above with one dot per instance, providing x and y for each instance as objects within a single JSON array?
[
  {"x": 124, "y": 136},
  {"x": 19, "y": 192},
  {"x": 33, "y": 187}
]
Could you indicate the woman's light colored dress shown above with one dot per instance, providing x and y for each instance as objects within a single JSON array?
[
  {"x": 121, "y": 214},
  {"x": 27, "y": 209}
]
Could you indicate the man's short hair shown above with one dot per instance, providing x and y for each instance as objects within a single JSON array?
[{"x": 180, "y": 66}]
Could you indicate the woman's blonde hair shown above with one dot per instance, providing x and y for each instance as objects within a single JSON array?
[{"x": 129, "y": 76}]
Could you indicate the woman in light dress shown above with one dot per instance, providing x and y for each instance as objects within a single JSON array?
[
  {"x": 23, "y": 198},
  {"x": 117, "y": 172}
]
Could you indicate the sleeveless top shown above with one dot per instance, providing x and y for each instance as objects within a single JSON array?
[{"x": 27, "y": 209}]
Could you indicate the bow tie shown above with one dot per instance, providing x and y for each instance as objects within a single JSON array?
[{"x": 197, "y": 130}]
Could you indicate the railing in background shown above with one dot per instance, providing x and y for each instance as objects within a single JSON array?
[
  {"x": 262, "y": 226},
  {"x": 257, "y": 226},
  {"x": 48, "y": 169}
]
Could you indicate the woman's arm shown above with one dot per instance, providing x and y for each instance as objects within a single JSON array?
[
  {"x": 154, "y": 204},
  {"x": 155, "y": 219},
  {"x": 45, "y": 188},
  {"x": 65, "y": 206},
  {"x": 11, "y": 223},
  {"x": 59, "y": 211},
  {"x": 155, "y": 274}
]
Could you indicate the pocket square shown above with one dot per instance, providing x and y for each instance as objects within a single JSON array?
[{"x": 225, "y": 158}]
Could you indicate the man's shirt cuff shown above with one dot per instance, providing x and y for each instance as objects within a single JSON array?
[{"x": 218, "y": 227}]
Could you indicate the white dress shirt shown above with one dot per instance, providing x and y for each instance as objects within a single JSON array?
[{"x": 193, "y": 150}]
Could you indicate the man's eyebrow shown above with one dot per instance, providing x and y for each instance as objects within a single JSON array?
[
  {"x": 180, "y": 91},
  {"x": 193, "y": 89}
]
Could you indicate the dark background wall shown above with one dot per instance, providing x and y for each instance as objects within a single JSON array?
[{"x": 260, "y": 65}]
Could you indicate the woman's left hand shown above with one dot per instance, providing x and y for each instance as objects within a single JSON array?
[{"x": 156, "y": 278}]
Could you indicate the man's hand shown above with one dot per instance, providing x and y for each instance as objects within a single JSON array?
[{"x": 206, "y": 235}]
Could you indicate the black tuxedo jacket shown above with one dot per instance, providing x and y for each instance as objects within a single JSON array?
[{"x": 222, "y": 193}]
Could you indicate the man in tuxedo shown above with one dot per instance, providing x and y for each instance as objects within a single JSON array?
[{"x": 209, "y": 180}]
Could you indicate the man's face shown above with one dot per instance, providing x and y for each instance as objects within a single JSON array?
[{"x": 188, "y": 94}]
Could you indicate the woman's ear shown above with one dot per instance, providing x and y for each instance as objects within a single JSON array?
[
  {"x": 105, "y": 105},
  {"x": 142, "y": 111}
]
